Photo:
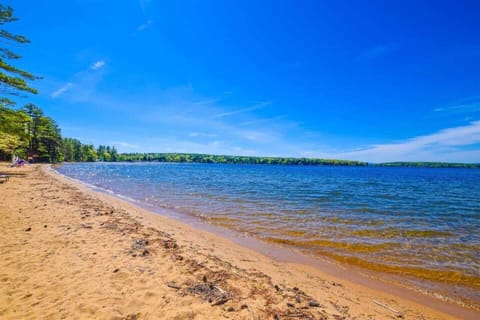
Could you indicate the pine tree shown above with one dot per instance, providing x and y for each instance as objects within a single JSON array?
[{"x": 13, "y": 81}]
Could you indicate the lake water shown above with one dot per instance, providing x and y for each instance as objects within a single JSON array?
[{"x": 422, "y": 224}]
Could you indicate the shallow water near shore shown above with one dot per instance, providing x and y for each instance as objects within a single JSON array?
[{"x": 419, "y": 224}]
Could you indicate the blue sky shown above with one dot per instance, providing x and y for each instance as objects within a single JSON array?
[{"x": 362, "y": 80}]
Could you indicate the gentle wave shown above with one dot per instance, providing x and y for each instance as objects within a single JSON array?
[{"x": 418, "y": 222}]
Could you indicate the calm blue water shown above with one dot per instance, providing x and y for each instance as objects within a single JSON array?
[{"x": 417, "y": 221}]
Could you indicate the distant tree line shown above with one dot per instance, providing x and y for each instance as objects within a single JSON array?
[
  {"x": 430, "y": 164},
  {"x": 208, "y": 158}
]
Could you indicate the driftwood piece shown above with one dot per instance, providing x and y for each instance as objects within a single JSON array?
[
  {"x": 221, "y": 301},
  {"x": 173, "y": 285},
  {"x": 386, "y": 307},
  {"x": 219, "y": 289}
]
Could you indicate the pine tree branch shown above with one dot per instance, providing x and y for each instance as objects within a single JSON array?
[
  {"x": 16, "y": 82},
  {"x": 13, "y": 81},
  {"x": 7, "y": 54},
  {"x": 13, "y": 37},
  {"x": 5, "y": 66},
  {"x": 6, "y": 14}
]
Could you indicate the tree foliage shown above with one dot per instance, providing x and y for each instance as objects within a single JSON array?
[
  {"x": 208, "y": 158},
  {"x": 28, "y": 133},
  {"x": 13, "y": 80},
  {"x": 75, "y": 151},
  {"x": 430, "y": 164},
  {"x": 13, "y": 133}
]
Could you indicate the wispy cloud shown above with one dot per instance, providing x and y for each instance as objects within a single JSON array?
[
  {"x": 172, "y": 144},
  {"x": 255, "y": 135},
  {"x": 62, "y": 90},
  {"x": 126, "y": 145},
  {"x": 185, "y": 116},
  {"x": 201, "y": 134},
  {"x": 444, "y": 145},
  {"x": 460, "y": 108},
  {"x": 143, "y": 5},
  {"x": 242, "y": 110},
  {"x": 262, "y": 120},
  {"x": 377, "y": 51},
  {"x": 193, "y": 123},
  {"x": 206, "y": 101},
  {"x": 145, "y": 25},
  {"x": 82, "y": 84},
  {"x": 97, "y": 65}
]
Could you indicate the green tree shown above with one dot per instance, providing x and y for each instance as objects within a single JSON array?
[
  {"x": 68, "y": 150},
  {"x": 44, "y": 141},
  {"x": 9, "y": 144},
  {"x": 13, "y": 133},
  {"x": 114, "y": 154},
  {"x": 13, "y": 81},
  {"x": 89, "y": 154},
  {"x": 50, "y": 140},
  {"x": 33, "y": 127}
]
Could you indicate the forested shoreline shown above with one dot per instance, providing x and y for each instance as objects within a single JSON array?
[
  {"x": 425, "y": 164},
  {"x": 230, "y": 159}
]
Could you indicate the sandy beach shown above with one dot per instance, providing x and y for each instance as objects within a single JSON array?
[{"x": 68, "y": 252}]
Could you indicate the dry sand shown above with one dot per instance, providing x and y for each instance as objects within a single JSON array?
[{"x": 67, "y": 252}]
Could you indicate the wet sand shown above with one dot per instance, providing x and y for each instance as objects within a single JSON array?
[{"x": 69, "y": 252}]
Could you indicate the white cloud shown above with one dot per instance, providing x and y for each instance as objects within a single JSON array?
[
  {"x": 83, "y": 83},
  {"x": 97, "y": 65},
  {"x": 179, "y": 112},
  {"x": 123, "y": 146},
  {"x": 255, "y": 135},
  {"x": 460, "y": 108},
  {"x": 145, "y": 25},
  {"x": 242, "y": 110},
  {"x": 444, "y": 145},
  {"x": 206, "y": 101},
  {"x": 201, "y": 134},
  {"x": 62, "y": 90},
  {"x": 262, "y": 120},
  {"x": 172, "y": 144},
  {"x": 144, "y": 4},
  {"x": 126, "y": 145}
]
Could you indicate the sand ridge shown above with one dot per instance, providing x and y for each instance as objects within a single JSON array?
[{"x": 70, "y": 253}]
